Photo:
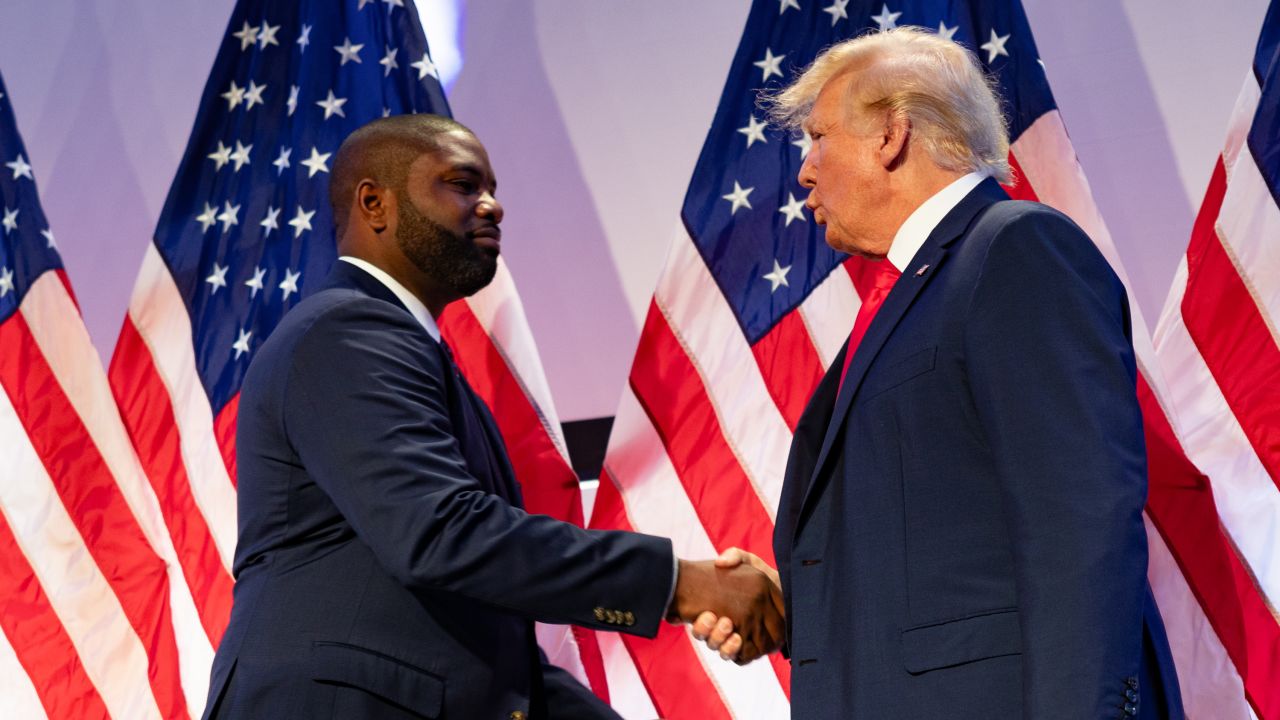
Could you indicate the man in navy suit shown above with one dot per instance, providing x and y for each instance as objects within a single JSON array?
[
  {"x": 385, "y": 568},
  {"x": 960, "y": 532}
]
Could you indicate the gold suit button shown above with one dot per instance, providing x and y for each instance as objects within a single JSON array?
[
  {"x": 517, "y": 715},
  {"x": 600, "y": 614},
  {"x": 628, "y": 618}
]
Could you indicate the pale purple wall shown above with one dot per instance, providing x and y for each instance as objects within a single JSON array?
[{"x": 594, "y": 113}]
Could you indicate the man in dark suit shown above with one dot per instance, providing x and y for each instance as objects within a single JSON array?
[
  {"x": 385, "y": 568},
  {"x": 960, "y": 531}
]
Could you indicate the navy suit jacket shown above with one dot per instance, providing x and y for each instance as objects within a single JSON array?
[
  {"x": 385, "y": 568},
  {"x": 960, "y": 533}
]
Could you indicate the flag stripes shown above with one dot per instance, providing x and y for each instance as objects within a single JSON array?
[
  {"x": 142, "y": 394},
  {"x": 37, "y": 644},
  {"x": 1216, "y": 352},
  {"x": 87, "y": 488}
]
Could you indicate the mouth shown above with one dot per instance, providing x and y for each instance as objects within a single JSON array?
[{"x": 488, "y": 238}]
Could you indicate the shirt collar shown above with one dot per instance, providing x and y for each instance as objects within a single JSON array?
[
  {"x": 408, "y": 299},
  {"x": 921, "y": 223}
]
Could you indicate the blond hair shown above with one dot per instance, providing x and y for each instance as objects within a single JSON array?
[{"x": 936, "y": 84}]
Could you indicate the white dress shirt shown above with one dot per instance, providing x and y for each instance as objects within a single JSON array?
[{"x": 925, "y": 219}]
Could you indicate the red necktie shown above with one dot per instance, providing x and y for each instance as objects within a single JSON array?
[{"x": 882, "y": 282}]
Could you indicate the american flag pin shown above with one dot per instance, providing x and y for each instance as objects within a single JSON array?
[{"x": 922, "y": 270}]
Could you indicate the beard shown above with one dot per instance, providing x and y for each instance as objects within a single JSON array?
[{"x": 452, "y": 260}]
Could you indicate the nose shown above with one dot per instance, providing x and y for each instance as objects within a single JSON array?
[
  {"x": 489, "y": 207},
  {"x": 808, "y": 175}
]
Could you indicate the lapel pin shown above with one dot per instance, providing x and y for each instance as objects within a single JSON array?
[{"x": 922, "y": 270}]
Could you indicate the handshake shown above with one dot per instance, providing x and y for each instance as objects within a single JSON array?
[{"x": 734, "y": 603}]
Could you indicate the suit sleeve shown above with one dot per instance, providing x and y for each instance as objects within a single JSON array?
[
  {"x": 366, "y": 412},
  {"x": 1052, "y": 374}
]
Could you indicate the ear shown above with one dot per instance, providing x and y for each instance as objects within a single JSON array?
[
  {"x": 893, "y": 142},
  {"x": 375, "y": 204}
]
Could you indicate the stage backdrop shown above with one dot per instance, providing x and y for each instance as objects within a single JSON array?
[{"x": 594, "y": 113}]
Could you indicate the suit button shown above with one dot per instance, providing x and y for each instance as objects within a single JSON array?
[
  {"x": 599, "y": 614},
  {"x": 628, "y": 618},
  {"x": 1132, "y": 682},
  {"x": 1130, "y": 709},
  {"x": 517, "y": 715},
  {"x": 1131, "y": 695}
]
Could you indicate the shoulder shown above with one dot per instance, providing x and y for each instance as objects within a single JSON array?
[
  {"x": 340, "y": 331},
  {"x": 1033, "y": 238}
]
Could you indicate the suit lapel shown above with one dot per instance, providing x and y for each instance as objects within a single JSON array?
[{"x": 930, "y": 258}]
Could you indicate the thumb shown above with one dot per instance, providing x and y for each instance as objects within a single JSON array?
[{"x": 731, "y": 558}]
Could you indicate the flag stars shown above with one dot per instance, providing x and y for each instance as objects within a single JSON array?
[
  {"x": 784, "y": 4},
  {"x": 248, "y": 36},
  {"x": 838, "y": 10},
  {"x": 754, "y": 131},
  {"x": 292, "y": 104},
  {"x": 10, "y": 222},
  {"x": 886, "y": 20},
  {"x": 241, "y": 345},
  {"x": 995, "y": 47},
  {"x": 234, "y": 96},
  {"x": 332, "y": 106},
  {"x": 388, "y": 61},
  {"x": 218, "y": 278},
  {"x": 229, "y": 216},
  {"x": 738, "y": 197},
  {"x": 241, "y": 156},
  {"x": 349, "y": 52},
  {"x": 794, "y": 209},
  {"x": 947, "y": 33},
  {"x": 304, "y": 38},
  {"x": 426, "y": 67},
  {"x": 777, "y": 277},
  {"x": 301, "y": 222},
  {"x": 317, "y": 163},
  {"x": 393, "y": 4},
  {"x": 6, "y": 281},
  {"x": 255, "y": 283},
  {"x": 770, "y": 65},
  {"x": 221, "y": 156},
  {"x": 208, "y": 218},
  {"x": 267, "y": 35},
  {"x": 271, "y": 221},
  {"x": 48, "y": 236},
  {"x": 253, "y": 96},
  {"x": 282, "y": 160},
  {"x": 20, "y": 168},
  {"x": 805, "y": 143},
  {"x": 289, "y": 285}
]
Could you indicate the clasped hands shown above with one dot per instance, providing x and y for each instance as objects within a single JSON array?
[{"x": 734, "y": 603}]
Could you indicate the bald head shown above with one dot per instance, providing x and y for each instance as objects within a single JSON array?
[{"x": 382, "y": 151}]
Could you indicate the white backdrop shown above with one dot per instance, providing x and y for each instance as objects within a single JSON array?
[{"x": 594, "y": 112}]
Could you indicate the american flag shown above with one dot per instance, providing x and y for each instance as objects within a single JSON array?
[
  {"x": 752, "y": 307},
  {"x": 245, "y": 233},
  {"x": 85, "y": 581},
  {"x": 1214, "y": 501}
]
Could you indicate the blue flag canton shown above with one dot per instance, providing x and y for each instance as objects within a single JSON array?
[
  {"x": 247, "y": 229},
  {"x": 26, "y": 244},
  {"x": 744, "y": 208},
  {"x": 1264, "y": 133}
]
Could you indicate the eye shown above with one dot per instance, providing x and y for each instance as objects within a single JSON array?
[{"x": 465, "y": 185}]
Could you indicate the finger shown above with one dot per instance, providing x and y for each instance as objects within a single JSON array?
[
  {"x": 732, "y": 557},
  {"x": 704, "y": 624},
  {"x": 731, "y": 647},
  {"x": 721, "y": 632}
]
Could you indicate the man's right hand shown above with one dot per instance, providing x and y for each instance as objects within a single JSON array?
[{"x": 744, "y": 595}]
